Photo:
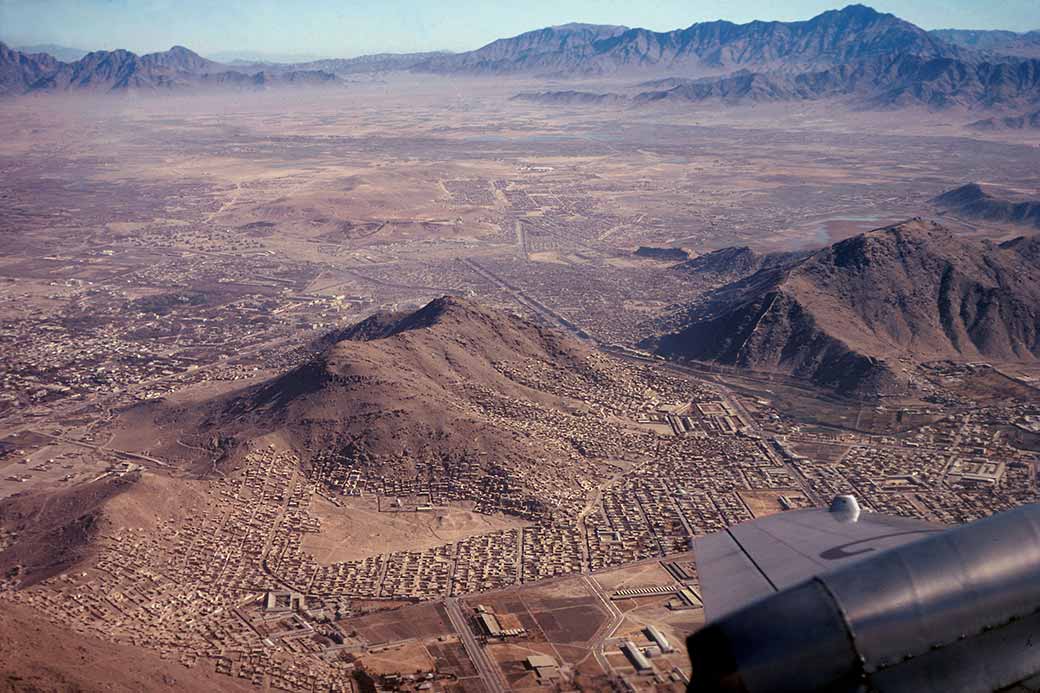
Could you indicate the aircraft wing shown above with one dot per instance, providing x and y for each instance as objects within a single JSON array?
[{"x": 755, "y": 559}]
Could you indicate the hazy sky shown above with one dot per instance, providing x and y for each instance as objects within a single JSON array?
[{"x": 344, "y": 28}]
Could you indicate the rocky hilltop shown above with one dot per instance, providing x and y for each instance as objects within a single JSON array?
[
  {"x": 55, "y": 529},
  {"x": 666, "y": 254},
  {"x": 734, "y": 263},
  {"x": 571, "y": 98},
  {"x": 853, "y": 315},
  {"x": 453, "y": 391},
  {"x": 972, "y": 201},
  {"x": 20, "y": 71}
]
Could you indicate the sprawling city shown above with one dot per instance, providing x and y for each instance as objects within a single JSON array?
[{"x": 432, "y": 371}]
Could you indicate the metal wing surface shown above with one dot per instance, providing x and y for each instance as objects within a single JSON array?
[{"x": 752, "y": 560}]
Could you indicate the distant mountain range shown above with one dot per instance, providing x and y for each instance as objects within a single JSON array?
[
  {"x": 868, "y": 58},
  {"x": 1026, "y": 45},
  {"x": 572, "y": 98},
  {"x": 179, "y": 68},
  {"x": 1026, "y": 121},
  {"x": 559, "y": 50},
  {"x": 853, "y": 315},
  {"x": 120, "y": 70},
  {"x": 876, "y": 60},
  {"x": 260, "y": 57},
  {"x": 379, "y": 62},
  {"x": 63, "y": 53},
  {"x": 883, "y": 82},
  {"x": 832, "y": 38}
]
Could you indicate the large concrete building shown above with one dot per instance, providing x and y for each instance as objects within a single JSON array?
[
  {"x": 638, "y": 659},
  {"x": 658, "y": 638}
]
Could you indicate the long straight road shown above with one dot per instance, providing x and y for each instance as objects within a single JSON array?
[
  {"x": 487, "y": 670},
  {"x": 616, "y": 618}
]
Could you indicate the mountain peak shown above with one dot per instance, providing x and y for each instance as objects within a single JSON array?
[
  {"x": 879, "y": 245},
  {"x": 394, "y": 401},
  {"x": 862, "y": 11},
  {"x": 853, "y": 34},
  {"x": 915, "y": 226},
  {"x": 845, "y": 314},
  {"x": 970, "y": 192},
  {"x": 975, "y": 201},
  {"x": 179, "y": 58},
  {"x": 440, "y": 310},
  {"x": 182, "y": 52},
  {"x": 867, "y": 21},
  {"x": 445, "y": 310}
]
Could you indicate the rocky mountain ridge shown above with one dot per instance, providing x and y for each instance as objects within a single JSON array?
[
  {"x": 856, "y": 315},
  {"x": 121, "y": 71},
  {"x": 833, "y": 37},
  {"x": 973, "y": 201}
]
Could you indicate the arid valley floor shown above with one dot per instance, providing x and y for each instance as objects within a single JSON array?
[{"x": 158, "y": 255}]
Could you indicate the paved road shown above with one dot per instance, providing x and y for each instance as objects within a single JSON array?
[
  {"x": 487, "y": 670},
  {"x": 102, "y": 448},
  {"x": 616, "y": 618}
]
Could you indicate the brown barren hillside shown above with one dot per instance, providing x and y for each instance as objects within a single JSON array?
[
  {"x": 846, "y": 313},
  {"x": 734, "y": 263},
  {"x": 432, "y": 394},
  {"x": 53, "y": 530},
  {"x": 43, "y": 657},
  {"x": 973, "y": 201}
]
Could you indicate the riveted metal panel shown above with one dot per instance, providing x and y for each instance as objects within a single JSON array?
[
  {"x": 943, "y": 588},
  {"x": 792, "y": 641},
  {"x": 989, "y": 661},
  {"x": 957, "y": 612}
]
